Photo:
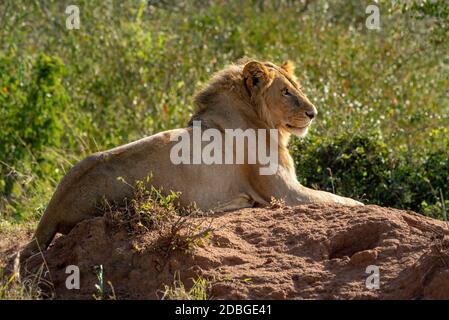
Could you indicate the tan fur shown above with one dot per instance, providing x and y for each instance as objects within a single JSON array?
[{"x": 249, "y": 94}]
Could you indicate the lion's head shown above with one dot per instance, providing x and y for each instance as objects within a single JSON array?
[
  {"x": 270, "y": 92},
  {"x": 276, "y": 91}
]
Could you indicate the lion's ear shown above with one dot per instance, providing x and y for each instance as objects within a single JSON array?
[
  {"x": 289, "y": 67},
  {"x": 256, "y": 76}
]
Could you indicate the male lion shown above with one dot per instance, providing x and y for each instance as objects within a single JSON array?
[{"x": 246, "y": 95}]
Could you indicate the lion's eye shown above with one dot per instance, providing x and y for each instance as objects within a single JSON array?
[{"x": 286, "y": 92}]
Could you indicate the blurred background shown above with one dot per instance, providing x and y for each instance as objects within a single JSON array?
[{"x": 130, "y": 70}]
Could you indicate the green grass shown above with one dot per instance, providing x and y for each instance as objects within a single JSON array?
[
  {"x": 132, "y": 68},
  {"x": 198, "y": 291}
]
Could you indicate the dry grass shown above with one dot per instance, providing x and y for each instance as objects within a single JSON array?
[{"x": 33, "y": 286}]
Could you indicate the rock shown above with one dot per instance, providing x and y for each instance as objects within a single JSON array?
[{"x": 364, "y": 257}]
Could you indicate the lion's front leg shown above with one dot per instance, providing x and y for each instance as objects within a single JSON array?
[
  {"x": 285, "y": 186},
  {"x": 305, "y": 194},
  {"x": 293, "y": 193}
]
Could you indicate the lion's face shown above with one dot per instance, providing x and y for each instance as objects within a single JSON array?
[{"x": 288, "y": 107}]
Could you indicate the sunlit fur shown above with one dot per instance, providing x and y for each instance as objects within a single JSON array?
[{"x": 231, "y": 100}]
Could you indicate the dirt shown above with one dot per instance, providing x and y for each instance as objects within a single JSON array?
[
  {"x": 13, "y": 237},
  {"x": 303, "y": 252}
]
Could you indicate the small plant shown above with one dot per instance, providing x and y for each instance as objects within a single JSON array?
[
  {"x": 153, "y": 209},
  {"x": 101, "y": 295},
  {"x": 185, "y": 234},
  {"x": 148, "y": 208},
  {"x": 198, "y": 291},
  {"x": 277, "y": 203}
]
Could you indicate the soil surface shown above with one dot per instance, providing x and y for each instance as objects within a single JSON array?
[{"x": 303, "y": 252}]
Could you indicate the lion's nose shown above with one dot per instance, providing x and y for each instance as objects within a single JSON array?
[
  {"x": 311, "y": 115},
  {"x": 312, "y": 112}
]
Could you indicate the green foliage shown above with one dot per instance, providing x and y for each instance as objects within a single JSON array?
[
  {"x": 198, "y": 291},
  {"x": 356, "y": 166},
  {"x": 158, "y": 210},
  {"x": 133, "y": 66},
  {"x": 363, "y": 166},
  {"x": 39, "y": 124},
  {"x": 30, "y": 111},
  {"x": 100, "y": 287},
  {"x": 437, "y": 12},
  {"x": 151, "y": 207}
]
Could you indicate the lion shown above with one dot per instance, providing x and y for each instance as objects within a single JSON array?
[{"x": 246, "y": 94}]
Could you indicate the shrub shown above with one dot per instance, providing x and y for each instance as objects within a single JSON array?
[
  {"x": 31, "y": 108},
  {"x": 362, "y": 166}
]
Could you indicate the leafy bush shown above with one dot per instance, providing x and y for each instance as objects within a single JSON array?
[
  {"x": 31, "y": 112},
  {"x": 363, "y": 166}
]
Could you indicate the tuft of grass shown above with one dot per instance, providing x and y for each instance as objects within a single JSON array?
[
  {"x": 100, "y": 287},
  {"x": 11, "y": 289},
  {"x": 155, "y": 210},
  {"x": 34, "y": 286},
  {"x": 178, "y": 291}
]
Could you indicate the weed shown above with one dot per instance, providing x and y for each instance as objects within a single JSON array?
[
  {"x": 178, "y": 291},
  {"x": 99, "y": 286}
]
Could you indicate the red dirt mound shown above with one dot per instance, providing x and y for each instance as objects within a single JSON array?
[{"x": 303, "y": 252}]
